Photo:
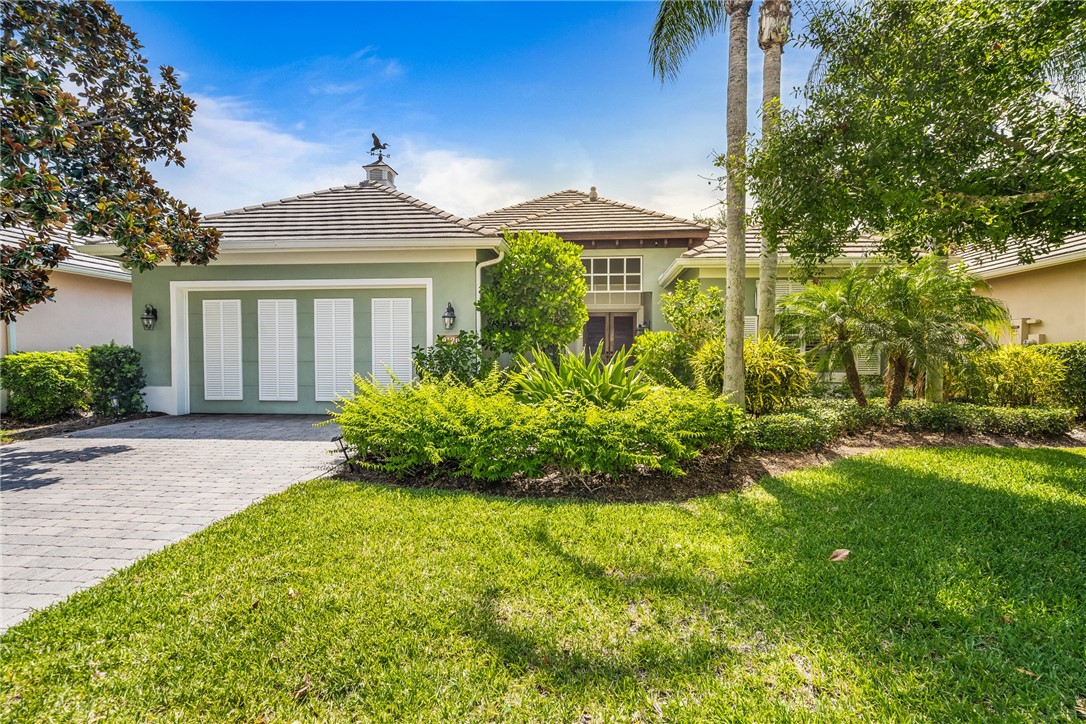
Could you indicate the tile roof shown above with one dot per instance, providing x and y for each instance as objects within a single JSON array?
[
  {"x": 573, "y": 214},
  {"x": 987, "y": 263},
  {"x": 77, "y": 262},
  {"x": 346, "y": 213},
  {"x": 716, "y": 246}
]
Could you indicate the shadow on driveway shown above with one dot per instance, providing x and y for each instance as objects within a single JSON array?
[
  {"x": 286, "y": 428},
  {"x": 27, "y": 469}
]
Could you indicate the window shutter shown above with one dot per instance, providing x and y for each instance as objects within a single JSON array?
[
  {"x": 867, "y": 361},
  {"x": 333, "y": 340},
  {"x": 392, "y": 340},
  {"x": 750, "y": 326},
  {"x": 278, "y": 341},
  {"x": 788, "y": 286},
  {"x": 222, "y": 349}
]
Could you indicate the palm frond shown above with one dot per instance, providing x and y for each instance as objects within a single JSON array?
[{"x": 680, "y": 26}]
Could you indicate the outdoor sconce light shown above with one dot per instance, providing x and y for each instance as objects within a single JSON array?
[
  {"x": 149, "y": 317},
  {"x": 449, "y": 317},
  {"x": 642, "y": 328}
]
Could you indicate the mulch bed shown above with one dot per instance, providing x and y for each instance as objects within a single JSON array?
[
  {"x": 21, "y": 430},
  {"x": 708, "y": 474}
]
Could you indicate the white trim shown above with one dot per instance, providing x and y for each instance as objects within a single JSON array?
[
  {"x": 676, "y": 267},
  {"x": 117, "y": 275},
  {"x": 340, "y": 257},
  {"x": 179, "y": 315},
  {"x": 160, "y": 399},
  {"x": 270, "y": 245},
  {"x": 1038, "y": 264}
]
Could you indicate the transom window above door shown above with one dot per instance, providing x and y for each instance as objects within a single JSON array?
[{"x": 613, "y": 280}]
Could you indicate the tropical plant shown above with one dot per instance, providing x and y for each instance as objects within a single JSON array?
[
  {"x": 777, "y": 374},
  {"x": 612, "y": 384},
  {"x": 1073, "y": 356},
  {"x": 665, "y": 357},
  {"x": 535, "y": 295},
  {"x": 83, "y": 119},
  {"x": 679, "y": 28},
  {"x": 927, "y": 314},
  {"x": 1012, "y": 376},
  {"x": 934, "y": 125},
  {"x": 833, "y": 315}
]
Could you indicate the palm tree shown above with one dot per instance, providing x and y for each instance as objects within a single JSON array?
[
  {"x": 926, "y": 314},
  {"x": 835, "y": 315},
  {"x": 680, "y": 26},
  {"x": 774, "y": 19}
]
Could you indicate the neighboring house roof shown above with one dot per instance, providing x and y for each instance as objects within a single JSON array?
[
  {"x": 987, "y": 264},
  {"x": 575, "y": 215},
  {"x": 355, "y": 213},
  {"x": 77, "y": 262},
  {"x": 714, "y": 252}
]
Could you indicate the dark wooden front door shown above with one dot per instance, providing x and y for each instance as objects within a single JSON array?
[{"x": 615, "y": 329}]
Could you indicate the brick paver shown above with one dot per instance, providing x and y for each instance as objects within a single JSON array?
[{"x": 75, "y": 508}]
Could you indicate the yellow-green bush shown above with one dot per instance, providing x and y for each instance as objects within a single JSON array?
[
  {"x": 776, "y": 374},
  {"x": 45, "y": 385}
]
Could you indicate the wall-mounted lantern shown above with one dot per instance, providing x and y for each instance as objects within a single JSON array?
[
  {"x": 149, "y": 317},
  {"x": 642, "y": 328},
  {"x": 449, "y": 317}
]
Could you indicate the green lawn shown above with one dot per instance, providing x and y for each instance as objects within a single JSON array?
[{"x": 964, "y": 598}]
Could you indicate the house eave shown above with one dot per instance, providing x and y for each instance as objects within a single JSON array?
[
  {"x": 1039, "y": 264},
  {"x": 389, "y": 244}
]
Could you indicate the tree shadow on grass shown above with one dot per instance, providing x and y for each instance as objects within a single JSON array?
[{"x": 938, "y": 560}]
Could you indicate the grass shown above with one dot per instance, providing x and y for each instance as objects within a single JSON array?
[{"x": 964, "y": 598}]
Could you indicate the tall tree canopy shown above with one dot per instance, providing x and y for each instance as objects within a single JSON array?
[
  {"x": 82, "y": 118},
  {"x": 937, "y": 124}
]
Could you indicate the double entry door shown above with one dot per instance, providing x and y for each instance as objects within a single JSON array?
[{"x": 614, "y": 329}]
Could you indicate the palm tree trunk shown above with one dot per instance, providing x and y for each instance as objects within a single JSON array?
[
  {"x": 773, "y": 20},
  {"x": 738, "y": 13},
  {"x": 899, "y": 363},
  {"x": 853, "y": 377}
]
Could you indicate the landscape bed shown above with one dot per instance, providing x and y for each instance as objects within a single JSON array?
[{"x": 963, "y": 598}]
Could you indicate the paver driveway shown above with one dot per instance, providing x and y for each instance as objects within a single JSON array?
[{"x": 76, "y": 507}]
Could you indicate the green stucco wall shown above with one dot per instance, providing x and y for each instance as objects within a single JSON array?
[
  {"x": 363, "y": 352},
  {"x": 452, "y": 282}
]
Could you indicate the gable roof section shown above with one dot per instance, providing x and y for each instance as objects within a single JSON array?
[
  {"x": 987, "y": 264},
  {"x": 355, "y": 213},
  {"x": 77, "y": 261},
  {"x": 574, "y": 215}
]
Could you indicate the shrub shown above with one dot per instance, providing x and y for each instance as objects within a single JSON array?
[
  {"x": 535, "y": 295},
  {"x": 957, "y": 417},
  {"x": 1073, "y": 355},
  {"x": 576, "y": 378},
  {"x": 116, "y": 380},
  {"x": 790, "y": 431},
  {"x": 776, "y": 374},
  {"x": 483, "y": 431},
  {"x": 665, "y": 357},
  {"x": 45, "y": 385},
  {"x": 461, "y": 358},
  {"x": 696, "y": 315},
  {"x": 1012, "y": 376}
]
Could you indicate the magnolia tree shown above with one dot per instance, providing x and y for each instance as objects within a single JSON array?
[
  {"x": 82, "y": 118},
  {"x": 535, "y": 295},
  {"x": 935, "y": 125}
]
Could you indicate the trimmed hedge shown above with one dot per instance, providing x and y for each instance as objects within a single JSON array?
[
  {"x": 44, "y": 385},
  {"x": 1073, "y": 356},
  {"x": 482, "y": 431},
  {"x": 116, "y": 380},
  {"x": 819, "y": 423}
]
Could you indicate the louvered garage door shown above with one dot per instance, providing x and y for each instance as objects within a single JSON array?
[
  {"x": 277, "y": 322},
  {"x": 222, "y": 349},
  {"x": 392, "y": 339},
  {"x": 333, "y": 337}
]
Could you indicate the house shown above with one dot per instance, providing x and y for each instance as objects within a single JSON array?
[
  {"x": 311, "y": 289},
  {"x": 1046, "y": 299},
  {"x": 92, "y": 305}
]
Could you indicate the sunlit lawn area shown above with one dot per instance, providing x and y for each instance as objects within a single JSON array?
[{"x": 964, "y": 598}]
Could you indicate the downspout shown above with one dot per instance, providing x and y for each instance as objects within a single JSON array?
[
  {"x": 12, "y": 349},
  {"x": 479, "y": 287}
]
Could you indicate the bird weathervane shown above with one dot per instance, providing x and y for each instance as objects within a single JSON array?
[{"x": 378, "y": 148}]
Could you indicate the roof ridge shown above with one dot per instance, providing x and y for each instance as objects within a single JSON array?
[
  {"x": 419, "y": 203},
  {"x": 530, "y": 201}
]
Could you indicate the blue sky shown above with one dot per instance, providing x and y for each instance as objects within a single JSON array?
[{"x": 482, "y": 104}]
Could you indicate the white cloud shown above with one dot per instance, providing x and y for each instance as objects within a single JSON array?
[{"x": 234, "y": 160}]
